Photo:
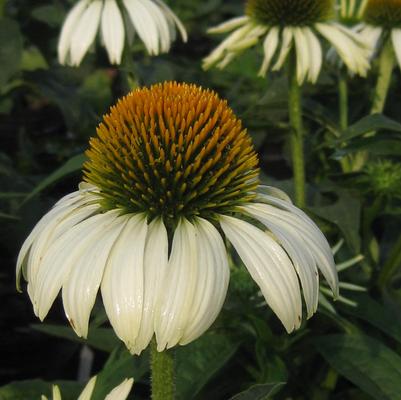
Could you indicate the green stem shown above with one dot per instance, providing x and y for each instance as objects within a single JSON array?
[
  {"x": 392, "y": 264},
  {"x": 343, "y": 111},
  {"x": 162, "y": 368},
  {"x": 297, "y": 142},
  {"x": 386, "y": 66}
]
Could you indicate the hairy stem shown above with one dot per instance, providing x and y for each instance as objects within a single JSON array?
[
  {"x": 162, "y": 370},
  {"x": 343, "y": 112},
  {"x": 297, "y": 141}
]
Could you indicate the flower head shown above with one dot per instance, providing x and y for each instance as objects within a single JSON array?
[
  {"x": 152, "y": 20},
  {"x": 169, "y": 174},
  {"x": 382, "y": 24},
  {"x": 120, "y": 392},
  {"x": 289, "y": 25}
]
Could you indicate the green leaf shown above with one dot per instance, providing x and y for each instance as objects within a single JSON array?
[
  {"x": 259, "y": 392},
  {"x": 73, "y": 165},
  {"x": 52, "y": 15},
  {"x": 33, "y": 389},
  {"x": 99, "y": 338},
  {"x": 199, "y": 361},
  {"x": 346, "y": 214},
  {"x": 366, "y": 362},
  {"x": 10, "y": 49},
  {"x": 8, "y": 216},
  {"x": 33, "y": 59},
  {"x": 120, "y": 365},
  {"x": 376, "y": 314},
  {"x": 371, "y": 123}
]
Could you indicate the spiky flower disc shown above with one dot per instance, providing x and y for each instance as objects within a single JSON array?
[
  {"x": 172, "y": 150},
  {"x": 289, "y": 12},
  {"x": 386, "y": 13}
]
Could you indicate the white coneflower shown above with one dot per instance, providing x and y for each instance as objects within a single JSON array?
[
  {"x": 170, "y": 173},
  {"x": 287, "y": 24},
  {"x": 120, "y": 392},
  {"x": 152, "y": 20},
  {"x": 382, "y": 23}
]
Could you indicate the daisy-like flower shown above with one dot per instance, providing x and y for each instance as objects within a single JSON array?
[
  {"x": 152, "y": 20},
  {"x": 120, "y": 392},
  {"x": 382, "y": 23},
  {"x": 170, "y": 175},
  {"x": 285, "y": 25}
]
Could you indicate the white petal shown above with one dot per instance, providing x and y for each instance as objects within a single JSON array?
[
  {"x": 121, "y": 392},
  {"x": 396, "y": 38},
  {"x": 296, "y": 247},
  {"x": 56, "y": 395},
  {"x": 312, "y": 235},
  {"x": 229, "y": 25},
  {"x": 270, "y": 46},
  {"x": 156, "y": 262},
  {"x": 173, "y": 19},
  {"x": 144, "y": 24},
  {"x": 88, "y": 390},
  {"x": 316, "y": 57},
  {"x": 85, "y": 32},
  {"x": 62, "y": 256},
  {"x": 286, "y": 46},
  {"x": 174, "y": 307},
  {"x": 122, "y": 283},
  {"x": 113, "y": 31},
  {"x": 302, "y": 53},
  {"x": 353, "y": 54},
  {"x": 68, "y": 28},
  {"x": 212, "y": 283},
  {"x": 81, "y": 287},
  {"x": 370, "y": 35},
  {"x": 269, "y": 267}
]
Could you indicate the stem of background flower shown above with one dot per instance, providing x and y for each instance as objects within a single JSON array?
[
  {"x": 386, "y": 66},
  {"x": 343, "y": 111},
  {"x": 297, "y": 141},
  {"x": 162, "y": 370},
  {"x": 392, "y": 264}
]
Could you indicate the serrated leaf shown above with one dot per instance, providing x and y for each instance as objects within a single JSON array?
[
  {"x": 364, "y": 361},
  {"x": 199, "y": 361},
  {"x": 259, "y": 392}
]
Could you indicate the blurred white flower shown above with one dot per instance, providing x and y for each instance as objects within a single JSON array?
[
  {"x": 287, "y": 25},
  {"x": 120, "y": 392},
  {"x": 351, "y": 9},
  {"x": 382, "y": 24},
  {"x": 152, "y": 20},
  {"x": 170, "y": 171}
]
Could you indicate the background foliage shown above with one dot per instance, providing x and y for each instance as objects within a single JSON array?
[{"x": 47, "y": 114}]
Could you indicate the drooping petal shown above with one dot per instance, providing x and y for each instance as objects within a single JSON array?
[
  {"x": 144, "y": 24},
  {"x": 353, "y": 54},
  {"x": 81, "y": 287},
  {"x": 173, "y": 19},
  {"x": 113, "y": 31},
  {"x": 175, "y": 303},
  {"x": 270, "y": 46},
  {"x": 154, "y": 270},
  {"x": 296, "y": 247},
  {"x": 286, "y": 46},
  {"x": 123, "y": 281},
  {"x": 303, "y": 55},
  {"x": 86, "y": 394},
  {"x": 371, "y": 35},
  {"x": 85, "y": 32},
  {"x": 56, "y": 395},
  {"x": 213, "y": 277},
  {"x": 229, "y": 25},
  {"x": 316, "y": 56},
  {"x": 62, "y": 256},
  {"x": 68, "y": 28},
  {"x": 311, "y": 234},
  {"x": 396, "y": 38},
  {"x": 121, "y": 392},
  {"x": 269, "y": 267}
]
